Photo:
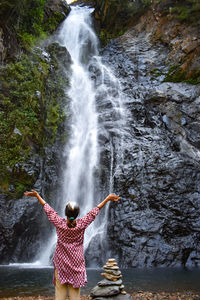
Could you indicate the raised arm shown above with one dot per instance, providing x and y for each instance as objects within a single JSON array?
[
  {"x": 35, "y": 194},
  {"x": 111, "y": 197},
  {"x": 89, "y": 218}
]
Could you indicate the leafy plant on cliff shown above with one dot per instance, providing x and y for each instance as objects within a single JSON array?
[
  {"x": 28, "y": 21},
  {"x": 186, "y": 11},
  {"x": 32, "y": 102}
]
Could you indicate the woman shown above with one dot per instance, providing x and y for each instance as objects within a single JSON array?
[{"x": 69, "y": 262}]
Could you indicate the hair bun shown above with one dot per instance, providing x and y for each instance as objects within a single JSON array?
[{"x": 71, "y": 212}]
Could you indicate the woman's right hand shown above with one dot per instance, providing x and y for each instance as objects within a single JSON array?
[{"x": 33, "y": 193}]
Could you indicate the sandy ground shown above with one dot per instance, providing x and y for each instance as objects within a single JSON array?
[{"x": 136, "y": 296}]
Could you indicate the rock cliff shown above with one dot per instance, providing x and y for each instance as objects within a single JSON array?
[
  {"x": 156, "y": 61},
  {"x": 157, "y": 220}
]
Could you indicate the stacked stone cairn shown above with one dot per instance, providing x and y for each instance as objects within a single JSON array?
[{"x": 111, "y": 287}]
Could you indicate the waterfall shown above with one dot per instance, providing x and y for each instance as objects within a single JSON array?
[
  {"x": 81, "y": 151},
  {"x": 96, "y": 110}
]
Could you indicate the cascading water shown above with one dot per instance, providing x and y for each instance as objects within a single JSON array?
[
  {"x": 96, "y": 111},
  {"x": 82, "y": 156},
  {"x": 81, "y": 42}
]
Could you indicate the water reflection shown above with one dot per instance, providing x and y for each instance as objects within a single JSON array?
[{"x": 20, "y": 281}]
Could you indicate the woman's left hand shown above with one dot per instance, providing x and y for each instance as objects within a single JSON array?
[{"x": 113, "y": 197}]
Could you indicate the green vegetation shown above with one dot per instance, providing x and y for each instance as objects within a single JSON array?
[
  {"x": 28, "y": 21},
  {"x": 30, "y": 27},
  {"x": 106, "y": 36},
  {"x": 32, "y": 112},
  {"x": 32, "y": 97},
  {"x": 176, "y": 74},
  {"x": 187, "y": 11},
  {"x": 156, "y": 72}
]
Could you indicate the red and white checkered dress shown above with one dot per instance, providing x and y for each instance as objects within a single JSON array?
[{"x": 69, "y": 257}]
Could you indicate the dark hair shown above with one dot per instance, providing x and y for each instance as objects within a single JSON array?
[{"x": 72, "y": 211}]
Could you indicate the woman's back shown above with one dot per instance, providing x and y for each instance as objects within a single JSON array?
[{"x": 69, "y": 257}]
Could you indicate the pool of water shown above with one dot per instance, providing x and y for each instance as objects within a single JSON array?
[{"x": 27, "y": 280}]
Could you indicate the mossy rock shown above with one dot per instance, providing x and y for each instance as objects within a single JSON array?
[
  {"x": 26, "y": 23},
  {"x": 33, "y": 112},
  {"x": 177, "y": 74}
]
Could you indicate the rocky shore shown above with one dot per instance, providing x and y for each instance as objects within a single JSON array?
[{"x": 140, "y": 295}]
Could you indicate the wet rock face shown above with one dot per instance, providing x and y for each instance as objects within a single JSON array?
[
  {"x": 23, "y": 224},
  {"x": 19, "y": 227},
  {"x": 156, "y": 222}
]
